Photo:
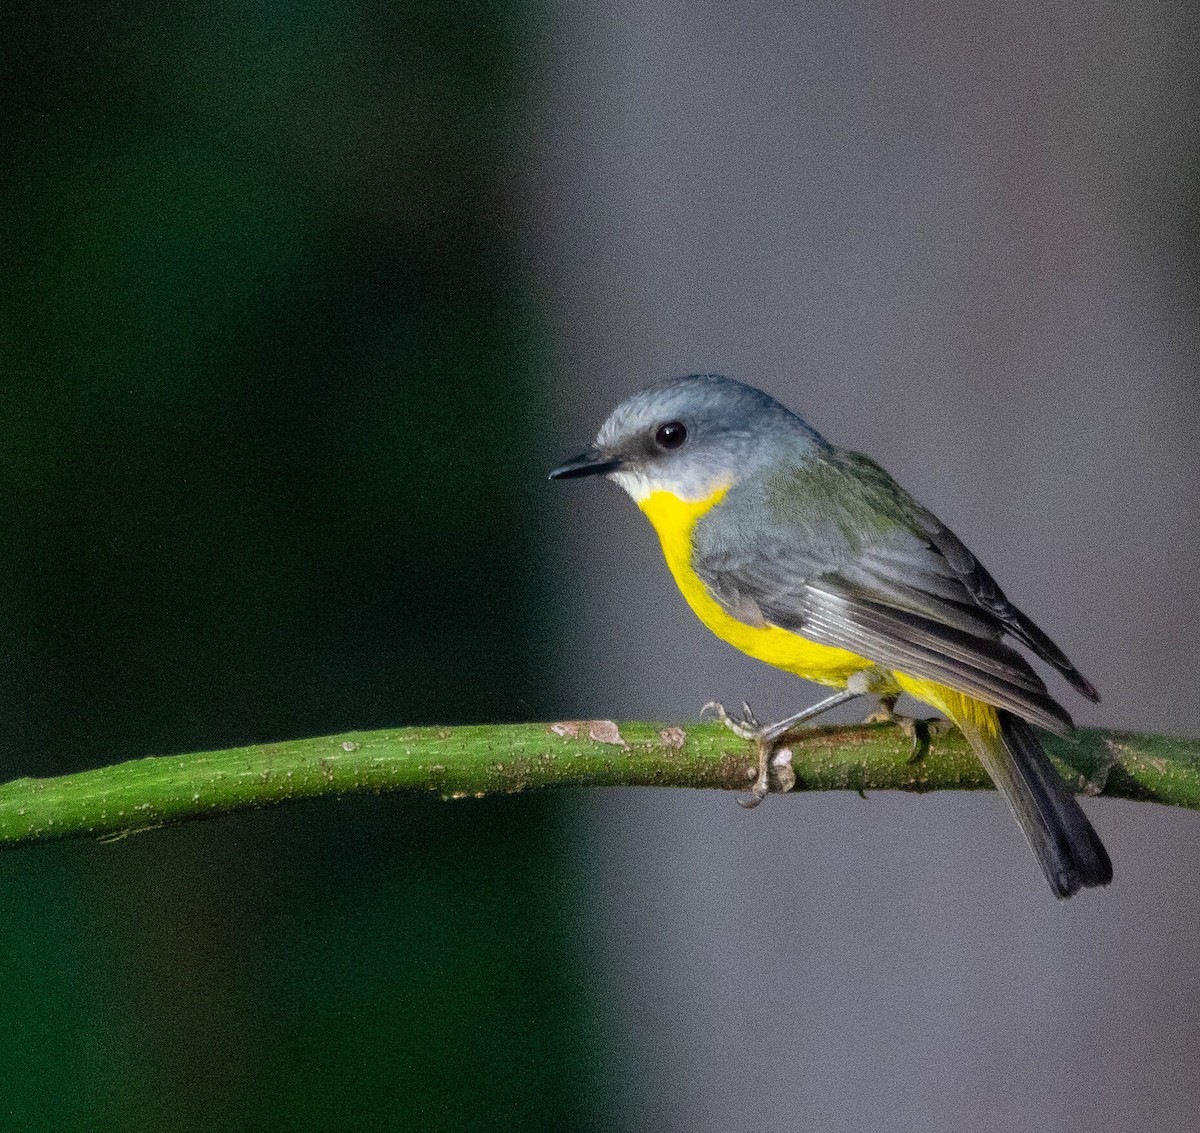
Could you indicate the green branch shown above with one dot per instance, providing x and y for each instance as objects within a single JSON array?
[{"x": 480, "y": 760}]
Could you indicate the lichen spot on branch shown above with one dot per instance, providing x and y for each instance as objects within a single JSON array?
[{"x": 598, "y": 731}]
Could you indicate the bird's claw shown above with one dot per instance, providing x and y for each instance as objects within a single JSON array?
[
  {"x": 918, "y": 729},
  {"x": 758, "y": 792},
  {"x": 745, "y": 728},
  {"x": 748, "y": 727}
]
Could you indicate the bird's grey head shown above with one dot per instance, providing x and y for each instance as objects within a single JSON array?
[{"x": 691, "y": 436}]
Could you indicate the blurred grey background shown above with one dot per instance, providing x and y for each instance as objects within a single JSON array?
[{"x": 962, "y": 239}]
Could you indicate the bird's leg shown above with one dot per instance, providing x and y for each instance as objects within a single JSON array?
[
  {"x": 748, "y": 728},
  {"x": 916, "y": 728}
]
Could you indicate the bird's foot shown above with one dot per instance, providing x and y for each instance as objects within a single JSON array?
[
  {"x": 885, "y": 712},
  {"x": 748, "y": 727},
  {"x": 917, "y": 728}
]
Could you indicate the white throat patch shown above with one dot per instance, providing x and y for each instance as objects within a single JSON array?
[
  {"x": 640, "y": 486},
  {"x": 637, "y": 485}
]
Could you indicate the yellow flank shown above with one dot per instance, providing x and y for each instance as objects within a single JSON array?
[
  {"x": 674, "y": 519},
  {"x": 965, "y": 711}
]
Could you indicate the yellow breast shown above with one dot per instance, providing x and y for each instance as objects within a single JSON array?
[{"x": 674, "y": 519}]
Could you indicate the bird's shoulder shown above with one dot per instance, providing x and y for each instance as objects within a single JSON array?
[{"x": 822, "y": 508}]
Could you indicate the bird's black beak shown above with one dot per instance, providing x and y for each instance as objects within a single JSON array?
[{"x": 590, "y": 463}]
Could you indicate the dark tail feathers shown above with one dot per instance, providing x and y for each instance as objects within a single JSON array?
[{"x": 1062, "y": 839}]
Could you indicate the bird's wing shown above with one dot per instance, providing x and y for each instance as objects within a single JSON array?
[
  {"x": 988, "y": 595},
  {"x": 858, "y": 566}
]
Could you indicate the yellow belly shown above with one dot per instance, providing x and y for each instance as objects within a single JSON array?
[{"x": 674, "y": 520}]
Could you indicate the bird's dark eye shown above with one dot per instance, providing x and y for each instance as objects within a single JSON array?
[{"x": 671, "y": 435}]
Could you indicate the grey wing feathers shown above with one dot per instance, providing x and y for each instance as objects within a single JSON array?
[
  {"x": 963, "y": 653},
  {"x": 984, "y": 590},
  {"x": 891, "y": 583}
]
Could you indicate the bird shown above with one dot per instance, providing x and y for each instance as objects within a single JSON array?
[{"x": 811, "y": 558}]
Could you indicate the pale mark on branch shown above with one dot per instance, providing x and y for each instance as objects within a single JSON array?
[
  {"x": 599, "y": 731},
  {"x": 785, "y": 773},
  {"x": 1095, "y": 783},
  {"x": 606, "y": 732}
]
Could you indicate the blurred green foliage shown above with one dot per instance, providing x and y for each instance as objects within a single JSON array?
[{"x": 271, "y": 381}]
